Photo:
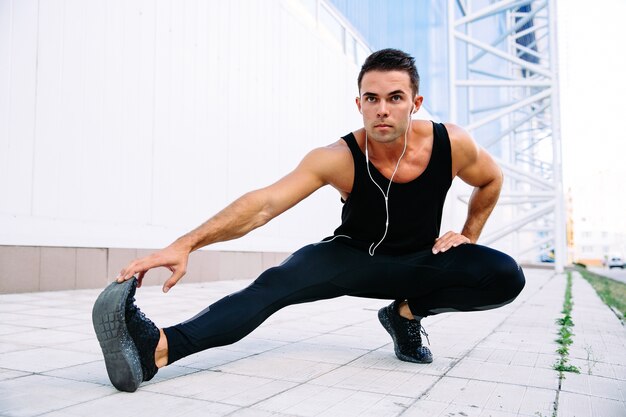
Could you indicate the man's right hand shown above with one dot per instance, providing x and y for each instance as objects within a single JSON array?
[{"x": 173, "y": 257}]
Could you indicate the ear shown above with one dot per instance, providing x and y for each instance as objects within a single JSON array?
[
  {"x": 417, "y": 103},
  {"x": 358, "y": 104}
]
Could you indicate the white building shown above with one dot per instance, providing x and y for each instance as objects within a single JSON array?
[{"x": 124, "y": 124}]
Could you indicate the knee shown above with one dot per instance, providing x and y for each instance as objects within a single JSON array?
[
  {"x": 510, "y": 276},
  {"x": 500, "y": 272},
  {"x": 270, "y": 277}
]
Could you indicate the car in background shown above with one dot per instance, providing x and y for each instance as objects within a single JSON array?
[
  {"x": 547, "y": 255},
  {"x": 615, "y": 262}
]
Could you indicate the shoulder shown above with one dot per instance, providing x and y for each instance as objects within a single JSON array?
[
  {"x": 327, "y": 161},
  {"x": 464, "y": 149},
  {"x": 459, "y": 136},
  {"x": 333, "y": 152}
]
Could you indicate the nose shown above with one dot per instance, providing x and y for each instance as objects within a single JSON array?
[{"x": 382, "y": 111}]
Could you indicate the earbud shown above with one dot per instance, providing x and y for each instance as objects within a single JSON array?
[{"x": 410, "y": 114}]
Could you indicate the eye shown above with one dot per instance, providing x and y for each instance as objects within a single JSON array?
[
  {"x": 396, "y": 98},
  {"x": 370, "y": 99}
]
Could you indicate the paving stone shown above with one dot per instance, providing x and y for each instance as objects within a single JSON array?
[
  {"x": 18, "y": 399},
  {"x": 595, "y": 386},
  {"x": 326, "y": 358},
  {"x": 379, "y": 381},
  {"x": 143, "y": 403},
  {"x": 286, "y": 369},
  {"x": 43, "y": 337},
  {"x": 223, "y": 387},
  {"x": 11, "y": 374},
  {"x": 44, "y": 359},
  {"x": 428, "y": 408}
]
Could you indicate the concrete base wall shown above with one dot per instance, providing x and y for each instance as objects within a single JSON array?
[{"x": 41, "y": 268}]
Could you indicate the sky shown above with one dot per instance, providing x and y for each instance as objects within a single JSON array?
[{"x": 592, "y": 72}]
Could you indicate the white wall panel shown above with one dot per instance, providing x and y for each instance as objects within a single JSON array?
[
  {"x": 133, "y": 121},
  {"x": 6, "y": 41},
  {"x": 20, "y": 87},
  {"x": 49, "y": 111}
]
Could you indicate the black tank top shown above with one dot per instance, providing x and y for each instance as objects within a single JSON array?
[{"x": 415, "y": 207}]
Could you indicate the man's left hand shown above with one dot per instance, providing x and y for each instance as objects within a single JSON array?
[{"x": 449, "y": 240}]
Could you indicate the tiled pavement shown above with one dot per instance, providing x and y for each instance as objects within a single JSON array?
[{"x": 329, "y": 358}]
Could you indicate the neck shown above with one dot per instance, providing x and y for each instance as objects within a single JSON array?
[{"x": 387, "y": 151}]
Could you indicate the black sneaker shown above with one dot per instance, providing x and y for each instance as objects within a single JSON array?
[
  {"x": 128, "y": 339},
  {"x": 144, "y": 332},
  {"x": 406, "y": 335}
]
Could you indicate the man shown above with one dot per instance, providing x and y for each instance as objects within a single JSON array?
[{"x": 393, "y": 175}]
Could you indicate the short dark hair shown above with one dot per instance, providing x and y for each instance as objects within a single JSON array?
[{"x": 391, "y": 60}]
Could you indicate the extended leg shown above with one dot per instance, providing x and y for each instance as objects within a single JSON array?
[{"x": 306, "y": 276}]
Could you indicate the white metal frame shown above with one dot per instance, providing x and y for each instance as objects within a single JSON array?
[{"x": 517, "y": 66}]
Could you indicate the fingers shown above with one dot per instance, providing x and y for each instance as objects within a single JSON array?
[
  {"x": 449, "y": 240},
  {"x": 176, "y": 276},
  {"x": 138, "y": 268},
  {"x": 128, "y": 272},
  {"x": 140, "y": 278},
  {"x": 173, "y": 258}
]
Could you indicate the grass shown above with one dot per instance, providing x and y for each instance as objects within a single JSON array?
[
  {"x": 565, "y": 332},
  {"x": 612, "y": 292}
]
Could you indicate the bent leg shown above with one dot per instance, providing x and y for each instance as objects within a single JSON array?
[
  {"x": 466, "y": 278},
  {"x": 469, "y": 278}
]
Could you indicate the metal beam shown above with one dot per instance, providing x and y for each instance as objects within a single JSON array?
[
  {"x": 517, "y": 124},
  {"x": 539, "y": 96},
  {"x": 529, "y": 51},
  {"x": 495, "y": 8},
  {"x": 512, "y": 30},
  {"x": 514, "y": 101},
  {"x": 479, "y": 71},
  {"x": 494, "y": 51},
  {"x": 462, "y": 7},
  {"x": 531, "y": 29},
  {"x": 560, "y": 243},
  {"x": 495, "y": 106},
  {"x": 503, "y": 83},
  {"x": 537, "y": 243},
  {"x": 532, "y": 215},
  {"x": 522, "y": 175}
]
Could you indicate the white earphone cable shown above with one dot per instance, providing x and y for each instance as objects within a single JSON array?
[{"x": 375, "y": 245}]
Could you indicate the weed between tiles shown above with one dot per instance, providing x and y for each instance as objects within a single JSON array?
[
  {"x": 564, "y": 340},
  {"x": 565, "y": 333}
]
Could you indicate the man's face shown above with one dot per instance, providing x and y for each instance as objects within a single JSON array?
[{"x": 386, "y": 102}]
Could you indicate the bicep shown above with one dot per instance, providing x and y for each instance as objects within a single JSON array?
[
  {"x": 472, "y": 163},
  {"x": 480, "y": 170}
]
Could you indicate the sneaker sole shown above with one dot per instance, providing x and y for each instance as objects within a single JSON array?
[
  {"x": 385, "y": 321},
  {"x": 120, "y": 354}
]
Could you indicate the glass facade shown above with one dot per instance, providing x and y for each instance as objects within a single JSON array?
[{"x": 417, "y": 27}]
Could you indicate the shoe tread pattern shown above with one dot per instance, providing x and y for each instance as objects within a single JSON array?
[{"x": 120, "y": 354}]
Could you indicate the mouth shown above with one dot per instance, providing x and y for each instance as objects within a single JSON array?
[{"x": 382, "y": 126}]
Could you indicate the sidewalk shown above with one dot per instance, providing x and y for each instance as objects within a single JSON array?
[{"x": 329, "y": 358}]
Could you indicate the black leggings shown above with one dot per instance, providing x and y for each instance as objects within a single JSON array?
[{"x": 467, "y": 278}]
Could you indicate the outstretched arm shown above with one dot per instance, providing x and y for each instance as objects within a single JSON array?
[
  {"x": 476, "y": 167},
  {"x": 245, "y": 214}
]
